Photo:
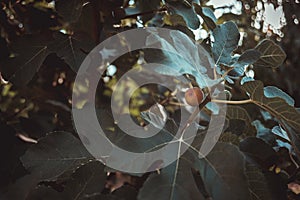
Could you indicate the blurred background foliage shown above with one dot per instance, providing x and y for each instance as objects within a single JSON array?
[{"x": 33, "y": 104}]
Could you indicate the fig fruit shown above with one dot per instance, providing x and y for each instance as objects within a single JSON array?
[{"x": 194, "y": 96}]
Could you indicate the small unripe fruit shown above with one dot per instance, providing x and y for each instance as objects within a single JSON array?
[{"x": 194, "y": 96}]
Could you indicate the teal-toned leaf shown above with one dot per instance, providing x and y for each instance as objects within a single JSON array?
[
  {"x": 281, "y": 144},
  {"x": 181, "y": 56},
  {"x": 207, "y": 15},
  {"x": 29, "y": 53},
  {"x": 272, "y": 55},
  {"x": 214, "y": 108},
  {"x": 185, "y": 9},
  {"x": 272, "y": 91},
  {"x": 55, "y": 154},
  {"x": 266, "y": 116},
  {"x": 277, "y": 130},
  {"x": 246, "y": 79},
  {"x": 263, "y": 132},
  {"x": 226, "y": 38}
]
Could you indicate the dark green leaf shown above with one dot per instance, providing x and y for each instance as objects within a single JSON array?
[
  {"x": 86, "y": 181},
  {"x": 45, "y": 193},
  {"x": 125, "y": 192},
  {"x": 258, "y": 186},
  {"x": 72, "y": 49},
  {"x": 23, "y": 185},
  {"x": 88, "y": 22},
  {"x": 55, "y": 154},
  {"x": 237, "y": 112},
  {"x": 69, "y": 10},
  {"x": 147, "y": 5},
  {"x": 259, "y": 151},
  {"x": 272, "y": 55},
  {"x": 29, "y": 52},
  {"x": 248, "y": 58}
]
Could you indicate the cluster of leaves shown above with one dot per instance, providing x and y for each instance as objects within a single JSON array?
[{"x": 43, "y": 45}]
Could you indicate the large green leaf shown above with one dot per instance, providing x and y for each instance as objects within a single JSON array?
[
  {"x": 222, "y": 171},
  {"x": 55, "y": 154},
  {"x": 226, "y": 38},
  {"x": 276, "y": 106},
  {"x": 287, "y": 115},
  {"x": 173, "y": 182},
  {"x": 272, "y": 55},
  {"x": 29, "y": 53}
]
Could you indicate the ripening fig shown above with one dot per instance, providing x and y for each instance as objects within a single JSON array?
[{"x": 194, "y": 96}]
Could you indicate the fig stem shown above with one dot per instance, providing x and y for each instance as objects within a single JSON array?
[{"x": 232, "y": 102}]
